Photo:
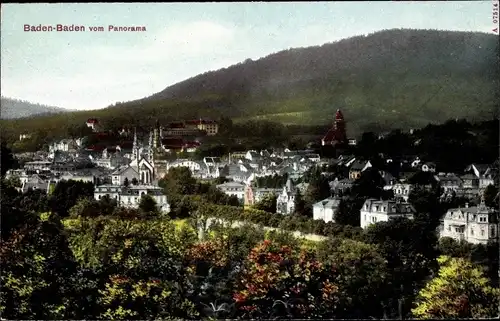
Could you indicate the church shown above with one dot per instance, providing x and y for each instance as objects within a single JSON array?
[
  {"x": 143, "y": 161},
  {"x": 336, "y": 136},
  {"x": 141, "y": 167}
]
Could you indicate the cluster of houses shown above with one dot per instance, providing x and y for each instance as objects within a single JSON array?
[
  {"x": 125, "y": 173},
  {"x": 475, "y": 224}
]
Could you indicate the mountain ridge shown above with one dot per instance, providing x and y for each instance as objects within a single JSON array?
[
  {"x": 353, "y": 74},
  {"x": 12, "y": 108},
  {"x": 399, "y": 78}
]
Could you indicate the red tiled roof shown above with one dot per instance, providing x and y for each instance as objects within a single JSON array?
[
  {"x": 338, "y": 115},
  {"x": 330, "y": 136},
  {"x": 92, "y": 121}
]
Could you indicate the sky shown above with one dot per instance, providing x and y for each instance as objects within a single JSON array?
[{"x": 91, "y": 70}]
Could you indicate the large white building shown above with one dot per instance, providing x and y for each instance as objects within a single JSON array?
[
  {"x": 131, "y": 196},
  {"x": 233, "y": 188},
  {"x": 374, "y": 211},
  {"x": 477, "y": 225},
  {"x": 325, "y": 209}
]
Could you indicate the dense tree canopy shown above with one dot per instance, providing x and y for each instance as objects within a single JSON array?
[{"x": 460, "y": 290}]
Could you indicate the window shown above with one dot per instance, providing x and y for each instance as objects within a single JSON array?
[
  {"x": 471, "y": 231},
  {"x": 482, "y": 232},
  {"x": 492, "y": 231},
  {"x": 449, "y": 228}
]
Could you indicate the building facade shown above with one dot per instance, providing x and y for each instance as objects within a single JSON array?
[
  {"x": 477, "y": 225},
  {"x": 325, "y": 210},
  {"x": 374, "y": 211},
  {"x": 131, "y": 196}
]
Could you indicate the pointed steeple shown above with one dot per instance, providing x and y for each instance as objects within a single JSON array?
[
  {"x": 134, "y": 147},
  {"x": 150, "y": 147}
]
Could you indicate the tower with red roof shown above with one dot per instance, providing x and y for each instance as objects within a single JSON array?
[{"x": 337, "y": 134}]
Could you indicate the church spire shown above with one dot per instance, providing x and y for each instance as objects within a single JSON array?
[
  {"x": 135, "y": 139},
  {"x": 150, "y": 147}
]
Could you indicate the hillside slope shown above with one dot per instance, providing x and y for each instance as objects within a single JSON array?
[
  {"x": 402, "y": 77},
  {"x": 396, "y": 78},
  {"x": 14, "y": 108}
]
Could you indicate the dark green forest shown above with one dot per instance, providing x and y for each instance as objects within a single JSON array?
[{"x": 68, "y": 256}]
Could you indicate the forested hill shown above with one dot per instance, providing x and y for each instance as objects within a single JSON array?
[
  {"x": 394, "y": 77},
  {"x": 389, "y": 79},
  {"x": 14, "y": 108}
]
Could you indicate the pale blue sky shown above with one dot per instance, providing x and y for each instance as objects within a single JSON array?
[{"x": 88, "y": 70}]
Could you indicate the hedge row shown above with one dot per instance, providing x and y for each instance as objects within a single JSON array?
[{"x": 285, "y": 222}]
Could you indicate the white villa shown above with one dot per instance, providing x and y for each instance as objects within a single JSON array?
[
  {"x": 233, "y": 188},
  {"x": 325, "y": 209},
  {"x": 131, "y": 196},
  {"x": 374, "y": 211},
  {"x": 477, "y": 225}
]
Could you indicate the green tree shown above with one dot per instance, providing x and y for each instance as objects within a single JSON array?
[
  {"x": 279, "y": 281},
  {"x": 459, "y": 291},
  {"x": 347, "y": 212},
  {"x": 67, "y": 193},
  {"x": 362, "y": 276},
  {"x": 299, "y": 204},
  {"x": 370, "y": 184},
  {"x": 178, "y": 180},
  {"x": 148, "y": 205},
  {"x": 490, "y": 196},
  {"x": 267, "y": 203},
  {"x": 85, "y": 207},
  {"x": 36, "y": 266},
  {"x": 7, "y": 159},
  {"x": 409, "y": 246},
  {"x": 318, "y": 190}
]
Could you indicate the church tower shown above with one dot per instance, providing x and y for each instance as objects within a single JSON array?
[
  {"x": 339, "y": 127},
  {"x": 135, "y": 146},
  {"x": 155, "y": 135},
  {"x": 151, "y": 148}
]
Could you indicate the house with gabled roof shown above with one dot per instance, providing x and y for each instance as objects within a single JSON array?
[
  {"x": 374, "y": 211},
  {"x": 477, "y": 169},
  {"x": 357, "y": 168},
  {"x": 233, "y": 189},
  {"x": 325, "y": 210},
  {"x": 477, "y": 224},
  {"x": 449, "y": 182}
]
